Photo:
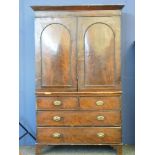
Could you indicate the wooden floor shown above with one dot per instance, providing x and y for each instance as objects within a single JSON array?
[{"x": 77, "y": 150}]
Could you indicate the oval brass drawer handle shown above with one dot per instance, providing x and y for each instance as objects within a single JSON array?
[
  {"x": 57, "y": 103},
  {"x": 100, "y": 134},
  {"x": 100, "y": 118},
  {"x": 56, "y": 118},
  {"x": 56, "y": 135},
  {"x": 99, "y": 103}
]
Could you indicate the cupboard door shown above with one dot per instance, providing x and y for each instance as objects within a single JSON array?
[
  {"x": 98, "y": 53},
  {"x": 55, "y": 54}
]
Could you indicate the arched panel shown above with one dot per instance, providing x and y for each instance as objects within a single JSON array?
[
  {"x": 56, "y": 46},
  {"x": 99, "y": 43}
]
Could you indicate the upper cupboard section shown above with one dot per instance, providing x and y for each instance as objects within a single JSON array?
[
  {"x": 78, "y": 53},
  {"x": 55, "y": 54}
]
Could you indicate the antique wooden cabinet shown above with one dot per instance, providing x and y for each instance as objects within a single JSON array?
[{"x": 78, "y": 79}]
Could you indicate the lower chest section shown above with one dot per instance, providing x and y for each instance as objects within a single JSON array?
[{"x": 79, "y": 120}]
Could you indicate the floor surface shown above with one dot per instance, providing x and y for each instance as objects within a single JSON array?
[{"x": 77, "y": 150}]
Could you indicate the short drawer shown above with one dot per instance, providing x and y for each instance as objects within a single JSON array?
[
  {"x": 57, "y": 103},
  {"x": 99, "y": 103},
  {"x": 79, "y": 135},
  {"x": 78, "y": 118}
]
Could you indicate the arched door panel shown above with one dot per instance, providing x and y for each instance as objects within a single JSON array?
[
  {"x": 56, "y": 55},
  {"x": 98, "y": 57}
]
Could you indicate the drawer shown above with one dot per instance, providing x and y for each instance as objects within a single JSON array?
[
  {"x": 100, "y": 103},
  {"x": 78, "y": 118},
  {"x": 57, "y": 103},
  {"x": 79, "y": 135}
]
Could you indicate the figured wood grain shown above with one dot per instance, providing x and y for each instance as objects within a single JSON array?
[
  {"x": 56, "y": 46},
  {"x": 78, "y": 118},
  {"x": 78, "y": 63},
  {"x": 99, "y": 43},
  {"x": 109, "y": 103},
  {"x": 47, "y": 103},
  {"x": 78, "y": 135},
  {"x": 99, "y": 53},
  {"x": 55, "y": 54}
]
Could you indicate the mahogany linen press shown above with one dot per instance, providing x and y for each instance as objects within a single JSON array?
[{"x": 78, "y": 75}]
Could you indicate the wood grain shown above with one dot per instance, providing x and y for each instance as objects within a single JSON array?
[
  {"x": 78, "y": 118},
  {"x": 56, "y": 46},
  {"x": 77, "y": 7},
  {"x": 99, "y": 53},
  {"x": 55, "y": 54},
  {"x": 77, "y": 51},
  {"x": 109, "y": 103},
  {"x": 118, "y": 148},
  {"x": 40, "y": 92},
  {"x": 47, "y": 103},
  {"x": 85, "y": 13},
  {"x": 79, "y": 135},
  {"x": 38, "y": 149}
]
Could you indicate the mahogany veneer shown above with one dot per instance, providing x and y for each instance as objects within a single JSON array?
[
  {"x": 109, "y": 103},
  {"x": 79, "y": 135},
  {"x": 78, "y": 118},
  {"x": 47, "y": 103},
  {"x": 78, "y": 75}
]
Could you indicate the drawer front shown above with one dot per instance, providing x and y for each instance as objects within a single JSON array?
[
  {"x": 57, "y": 103},
  {"x": 100, "y": 103},
  {"x": 78, "y": 118},
  {"x": 79, "y": 135}
]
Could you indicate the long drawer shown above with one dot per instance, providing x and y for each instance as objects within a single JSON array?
[
  {"x": 78, "y": 118},
  {"x": 100, "y": 103},
  {"x": 57, "y": 103},
  {"x": 79, "y": 135}
]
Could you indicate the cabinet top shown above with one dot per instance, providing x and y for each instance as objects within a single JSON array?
[{"x": 77, "y": 7}]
